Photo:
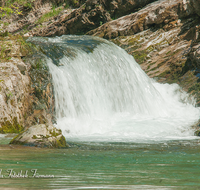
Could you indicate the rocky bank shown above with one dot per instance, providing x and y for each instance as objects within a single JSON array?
[{"x": 163, "y": 36}]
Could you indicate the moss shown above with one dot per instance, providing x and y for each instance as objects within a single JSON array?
[
  {"x": 195, "y": 88},
  {"x": 61, "y": 143},
  {"x": 13, "y": 141},
  {"x": 134, "y": 40},
  {"x": 8, "y": 127},
  {"x": 19, "y": 2},
  {"x": 54, "y": 133},
  {"x": 150, "y": 49},
  {"x": 164, "y": 74},
  {"x": 116, "y": 41},
  {"x": 34, "y": 137},
  {"x": 140, "y": 56}
]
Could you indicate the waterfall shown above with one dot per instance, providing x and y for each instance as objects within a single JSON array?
[{"x": 102, "y": 94}]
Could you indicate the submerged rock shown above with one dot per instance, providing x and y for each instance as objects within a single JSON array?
[{"x": 41, "y": 136}]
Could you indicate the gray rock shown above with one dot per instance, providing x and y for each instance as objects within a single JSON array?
[{"x": 41, "y": 136}]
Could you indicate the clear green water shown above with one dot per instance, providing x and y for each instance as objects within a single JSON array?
[{"x": 169, "y": 165}]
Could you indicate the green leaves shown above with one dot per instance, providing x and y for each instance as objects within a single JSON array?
[{"x": 6, "y": 11}]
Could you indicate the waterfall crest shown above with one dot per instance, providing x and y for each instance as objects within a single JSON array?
[{"x": 102, "y": 94}]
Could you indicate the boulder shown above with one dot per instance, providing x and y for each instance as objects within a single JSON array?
[{"x": 41, "y": 136}]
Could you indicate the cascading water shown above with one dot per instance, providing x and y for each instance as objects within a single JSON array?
[{"x": 102, "y": 94}]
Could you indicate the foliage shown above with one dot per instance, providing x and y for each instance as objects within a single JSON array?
[
  {"x": 9, "y": 7},
  {"x": 6, "y": 11},
  {"x": 25, "y": 3}
]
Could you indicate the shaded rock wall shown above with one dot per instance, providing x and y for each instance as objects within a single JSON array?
[{"x": 41, "y": 93}]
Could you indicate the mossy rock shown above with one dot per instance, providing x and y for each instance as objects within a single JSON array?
[{"x": 41, "y": 136}]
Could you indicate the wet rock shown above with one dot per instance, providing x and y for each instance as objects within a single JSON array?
[
  {"x": 41, "y": 136},
  {"x": 41, "y": 93},
  {"x": 197, "y": 133}
]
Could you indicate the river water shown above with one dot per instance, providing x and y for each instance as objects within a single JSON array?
[
  {"x": 125, "y": 131},
  {"x": 166, "y": 165}
]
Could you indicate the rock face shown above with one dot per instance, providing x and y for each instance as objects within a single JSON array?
[
  {"x": 41, "y": 136},
  {"x": 160, "y": 14},
  {"x": 92, "y": 14},
  {"x": 14, "y": 88}
]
